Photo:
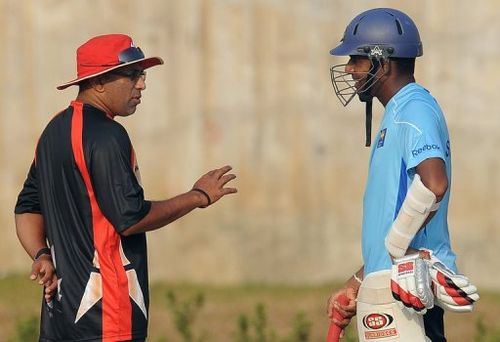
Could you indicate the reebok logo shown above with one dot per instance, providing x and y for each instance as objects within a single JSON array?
[{"x": 424, "y": 148}]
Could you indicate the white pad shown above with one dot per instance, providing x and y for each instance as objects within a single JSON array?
[
  {"x": 419, "y": 202},
  {"x": 380, "y": 318}
]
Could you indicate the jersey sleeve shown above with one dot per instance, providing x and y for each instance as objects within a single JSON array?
[
  {"x": 118, "y": 192},
  {"x": 28, "y": 200},
  {"x": 423, "y": 135}
]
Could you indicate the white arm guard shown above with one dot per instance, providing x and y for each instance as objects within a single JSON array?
[{"x": 419, "y": 202}]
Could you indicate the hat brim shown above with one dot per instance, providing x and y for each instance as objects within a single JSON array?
[{"x": 144, "y": 62}]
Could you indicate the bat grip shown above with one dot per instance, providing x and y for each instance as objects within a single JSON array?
[{"x": 334, "y": 331}]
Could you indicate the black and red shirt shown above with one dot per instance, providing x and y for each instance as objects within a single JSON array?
[{"x": 84, "y": 183}]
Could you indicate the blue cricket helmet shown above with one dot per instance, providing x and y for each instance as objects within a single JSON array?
[{"x": 392, "y": 31}]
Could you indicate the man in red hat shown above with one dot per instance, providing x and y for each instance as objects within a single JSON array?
[{"x": 82, "y": 216}]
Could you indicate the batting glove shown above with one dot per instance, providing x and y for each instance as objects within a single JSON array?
[
  {"x": 453, "y": 292},
  {"x": 411, "y": 284}
]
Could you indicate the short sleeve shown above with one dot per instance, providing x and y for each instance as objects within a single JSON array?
[
  {"x": 423, "y": 138},
  {"x": 28, "y": 200},
  {"x": 118, "y": 192}
]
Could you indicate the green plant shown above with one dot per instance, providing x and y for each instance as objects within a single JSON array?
[
  {"x": 484, "y": 333},
  {"x": 242, "y": 334},
  {"x": 256, "y": 328},
  {"x": 184, "y": 314},
  {"x": 26, "y": 330},
  {"x": 349, "y": 334},
  {"x": 258, "y": 323},
  {"x": 301, "y": 328}
]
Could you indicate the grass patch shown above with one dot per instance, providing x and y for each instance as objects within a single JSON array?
[{"x": 247, "y": 313}]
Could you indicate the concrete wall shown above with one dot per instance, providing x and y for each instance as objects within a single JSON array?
[{"x": 247, "y": 83}]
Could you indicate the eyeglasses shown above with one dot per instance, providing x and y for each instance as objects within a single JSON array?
[
  {"x": 131, "y": 54},
  {"x": 133, "y": 75}
]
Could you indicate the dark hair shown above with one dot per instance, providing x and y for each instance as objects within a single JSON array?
[
  {"x": 85, "y": 84},
  {"x": 89, "y": 82},
  {"x": 405, "y": 65}
]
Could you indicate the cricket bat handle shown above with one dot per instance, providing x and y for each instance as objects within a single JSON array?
[{"x": 335, "y": 331}]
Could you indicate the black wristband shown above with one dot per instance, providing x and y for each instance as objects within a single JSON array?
[
  {"x": 42, "y": 251},
  {"x": 206, "y": 195}
]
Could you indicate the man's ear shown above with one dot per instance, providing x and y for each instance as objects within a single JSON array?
[
  {"x": 98, "y": 83},
  {"x": 386, "y": 65}
]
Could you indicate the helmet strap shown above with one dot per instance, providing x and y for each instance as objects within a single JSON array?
[
  {"x": 368, "y": 123},
  {"x": 367, "y": 97}
]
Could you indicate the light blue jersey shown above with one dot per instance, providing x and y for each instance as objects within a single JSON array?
[{"x": 413, "y": 129}]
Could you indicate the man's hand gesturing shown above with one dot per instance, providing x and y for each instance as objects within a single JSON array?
[{"x": 211, "y": 186}]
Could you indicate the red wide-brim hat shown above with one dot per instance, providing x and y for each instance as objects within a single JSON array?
[{"x": 108, "y": 52}]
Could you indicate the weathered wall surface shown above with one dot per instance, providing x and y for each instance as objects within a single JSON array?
[{"x": 247, "y": 83}]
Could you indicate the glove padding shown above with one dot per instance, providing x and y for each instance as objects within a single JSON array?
[
  {"x": 452, "y": 291},
  {"x": 411, "y": 284}
]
